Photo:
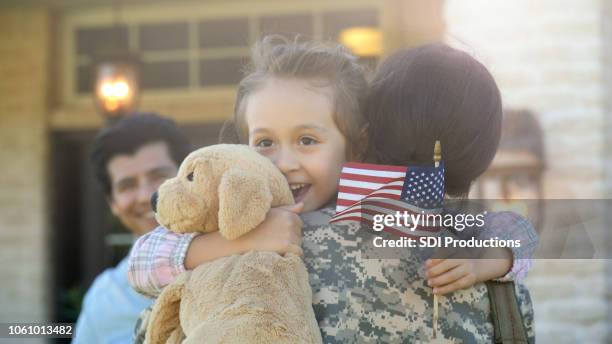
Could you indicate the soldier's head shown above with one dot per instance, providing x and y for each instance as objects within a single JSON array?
[{"x": 429, "y": 93}]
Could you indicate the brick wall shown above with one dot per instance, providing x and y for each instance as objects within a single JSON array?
[
  {"x": 24, "y": 37},
  {"x": 549, "y": 56},
  {"x": 606, "y": 19}
]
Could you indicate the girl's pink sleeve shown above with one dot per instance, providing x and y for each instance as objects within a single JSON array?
[
  {"x": 511, "y": 226},
  {"x": 156, "y": 259}
]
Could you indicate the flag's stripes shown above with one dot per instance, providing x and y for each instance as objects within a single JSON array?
[
  {"x": 343, "y": 204},
  {"x": 360, "y": 190},
  {"x": 369, "y": 181},
  {"x": 392, "y": 204},
  {"x": 389, "y": 206},
  {"x": 399, "y": 231},
  {"x": 374, "y": 173},
  {"x": 392, "y": 191},
  {"x": 349, "y": 196},
  {"x": 360, "y": 184},
  {"x": 373, "y": 167},
  {"x": 365, "y": 192},
  {"x": 370, "y": 212}
]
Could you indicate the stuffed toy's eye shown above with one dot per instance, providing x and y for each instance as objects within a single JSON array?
[{"x": 190, "y": 177}]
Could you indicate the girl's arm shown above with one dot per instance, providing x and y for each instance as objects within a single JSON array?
[
  {"x": 500, "y": 264},
  {"x": 281, "y": 232},
  {"x": 512, "y": 226},
  {"x": 158, "y": 257}
]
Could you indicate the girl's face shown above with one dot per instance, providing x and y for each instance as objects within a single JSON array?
[{"x": 291, "y": 123}]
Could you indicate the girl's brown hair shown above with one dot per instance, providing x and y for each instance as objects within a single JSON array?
[
  {"x": 322, "y": 64},
  {"x": 429, "y": 93}
]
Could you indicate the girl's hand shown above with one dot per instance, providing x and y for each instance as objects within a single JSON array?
[
  {"x": 280, "y": 232},
  {"x": 449, "y": 275}
]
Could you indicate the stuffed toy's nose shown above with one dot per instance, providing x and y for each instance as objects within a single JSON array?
[{"x": 154, "y": 201}]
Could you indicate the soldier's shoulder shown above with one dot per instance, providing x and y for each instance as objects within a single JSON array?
[{"x": 318, "y": 217}]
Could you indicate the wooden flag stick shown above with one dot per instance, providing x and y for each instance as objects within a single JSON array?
[
  {"x": 436, "y": 157},
  {"x": 435, "y": 316},
  {"x": 437, "y": 153}
]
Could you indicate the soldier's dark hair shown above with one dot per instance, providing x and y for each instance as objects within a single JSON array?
[
  {"x": 130, "y": 133},
  {"x": 434, "y": 92}
]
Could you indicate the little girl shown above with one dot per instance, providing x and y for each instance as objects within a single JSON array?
[{"x": 301, "y": 108}]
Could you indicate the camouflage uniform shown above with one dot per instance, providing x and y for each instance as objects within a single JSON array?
[
  {"x": 358, "y": 300},
  {"x": 140, "y": 328}
]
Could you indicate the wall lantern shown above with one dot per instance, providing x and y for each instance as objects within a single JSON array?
[
  {"x": 363, "y": 41},
  {"x": 116, "y": 84}
]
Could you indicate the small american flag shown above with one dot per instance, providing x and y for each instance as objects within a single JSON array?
[{"x": 366, "y": 190}]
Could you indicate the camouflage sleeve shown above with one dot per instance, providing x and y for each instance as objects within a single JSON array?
[
  {"x": 140, "y": 328},
  {"x": 359, "y": 300},
  {"x": 526, "y": 307}
]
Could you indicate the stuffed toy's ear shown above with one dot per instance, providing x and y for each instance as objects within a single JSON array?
[
  {"x": 244, "y": 200},
  {"x": 164, "y": 323}
]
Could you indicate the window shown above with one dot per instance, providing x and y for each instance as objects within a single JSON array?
[
  {"x": 223, "y": 33},
  {"x": 163, "y": 37},
  {"x": 164, "y": 74},
  {"x": 207, "y": 51},
  {"x": 288, "y": 25},
  {"x": 335, "y": 22},
  {"x": 91, "y": 42},
  {"x": 221, "y": 71}
]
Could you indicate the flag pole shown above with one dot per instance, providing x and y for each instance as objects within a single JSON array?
[
  {"x": 437, "y": 153},
  {"x": 437, "y": 157}
]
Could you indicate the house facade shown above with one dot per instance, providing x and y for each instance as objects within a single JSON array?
[{"x": 551, "y": 57}]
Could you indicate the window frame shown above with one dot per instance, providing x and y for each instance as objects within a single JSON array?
[{"x": 180, "y": 99}]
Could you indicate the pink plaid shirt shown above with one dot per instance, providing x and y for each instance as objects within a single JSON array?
[{"x": 158, "y": 257}]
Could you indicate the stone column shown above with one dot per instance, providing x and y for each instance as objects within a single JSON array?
[{"x": 24, "y": 228}]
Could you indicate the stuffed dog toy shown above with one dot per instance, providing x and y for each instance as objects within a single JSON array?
[{"x": 257, "y": 297}]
